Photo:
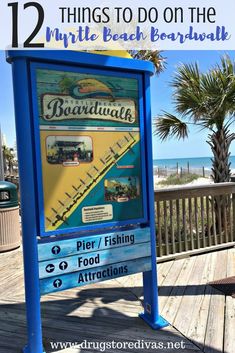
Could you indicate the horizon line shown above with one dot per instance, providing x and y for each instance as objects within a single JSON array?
[{"x": 157, "y": 159}]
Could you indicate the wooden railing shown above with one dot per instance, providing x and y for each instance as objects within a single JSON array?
[{"x": 192, "y": 218}]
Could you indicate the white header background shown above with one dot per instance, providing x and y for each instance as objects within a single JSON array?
[{"x": 223, "y": 30}]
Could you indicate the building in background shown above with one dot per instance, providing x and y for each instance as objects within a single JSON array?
[
  {"x": 8, "y": 158},
  {"x": 1, "y": 158}
]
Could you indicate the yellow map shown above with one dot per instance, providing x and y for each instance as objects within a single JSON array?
[{"x": 67, "y": 184}]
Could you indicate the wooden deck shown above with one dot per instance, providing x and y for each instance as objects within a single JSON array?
[{"x": 201, "y": 317}]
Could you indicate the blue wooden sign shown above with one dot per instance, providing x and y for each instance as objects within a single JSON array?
[
  {"x": 90, "y": 259},
  {"x": 89, "y": 140},
  {"x": 67, "y": 247},
  {"x": 93, "y": 275},
  {"x": 83, "y": 124}
]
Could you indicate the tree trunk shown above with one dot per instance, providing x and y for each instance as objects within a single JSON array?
[
  {"x": 10, "y": 165},
  {"x": 219, "y": 142}
]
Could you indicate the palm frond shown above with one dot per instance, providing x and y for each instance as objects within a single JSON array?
[
  {"x": 188, "y": 96},
  {"x": 206, "y": 98},
  {"x": 155, "y": 56},
  {"x": 187, "y": 75},
  {"x": 168, "y": 125}
]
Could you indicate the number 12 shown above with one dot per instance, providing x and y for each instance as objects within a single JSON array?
[{"x": 28, "y": 43}]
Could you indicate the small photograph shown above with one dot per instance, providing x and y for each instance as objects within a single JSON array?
[
  {"x": 69, "y": 150},
  {"x": 122, "y": 189}
]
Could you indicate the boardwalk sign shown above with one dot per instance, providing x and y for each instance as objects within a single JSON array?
[
  {"x": 62, "y": 107},
  {"x": 76, "y": 262},
  {"x": 85, "y": 158},
  {"x": 90, "y": 145}
]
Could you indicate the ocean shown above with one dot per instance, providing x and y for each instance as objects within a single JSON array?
[{"x": 194, "y": 163}]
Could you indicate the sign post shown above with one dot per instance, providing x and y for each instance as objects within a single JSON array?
[{"x": 85, "y": 160}]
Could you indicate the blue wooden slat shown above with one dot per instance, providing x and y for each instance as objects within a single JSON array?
[
  {"x": 62, "y": 248},
  {"x": 97, "y": 274},
  {"x": 93, "y": 259},
  {"x": 87, "y": 59}
]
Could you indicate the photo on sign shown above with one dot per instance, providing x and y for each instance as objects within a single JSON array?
[
  {"x": 122, "y": 189},
  {"x": 69, "y": 150}
]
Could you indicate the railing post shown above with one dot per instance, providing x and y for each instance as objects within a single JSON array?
[
  {"x": 209, "y": 225},
  {"x": 233, "y": 205}
]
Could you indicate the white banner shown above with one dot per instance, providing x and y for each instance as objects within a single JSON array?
[
  {"x": 58, "y": 107},
  {"x": 88, "y": 25}
]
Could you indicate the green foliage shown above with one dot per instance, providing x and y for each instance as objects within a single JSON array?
[
  {"x": 66, "y": 83},
  {"x": 155, "y": 56},
  {"x": 7, "y": 153},
  {"x": 170, "y": 125},
  {"x": 207, "y": 100},
  {"x": 177, "y": 179},
  {"x": 8, "y": 158}
]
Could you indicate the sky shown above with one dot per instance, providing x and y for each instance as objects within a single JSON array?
[
  {"x": 161, "y": 99},
  {"x": 7, "y": 119}
]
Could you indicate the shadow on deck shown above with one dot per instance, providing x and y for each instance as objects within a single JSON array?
[{"x": 201, "y": 317}]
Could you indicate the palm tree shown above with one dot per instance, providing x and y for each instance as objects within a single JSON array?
[
  {"x": 65, "y": 84},
  {"x": 155, "y": 56},
  {"x": 8, "y": 158},
  {"x": 208, "y": 100}
]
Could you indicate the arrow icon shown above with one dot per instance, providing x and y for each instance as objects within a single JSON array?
[
  {"x": 50, "y": 268},
  {"x": 57, "y": 283},
  {"x": 55, "y": 250},
  {"x": 63, "y": 265}
]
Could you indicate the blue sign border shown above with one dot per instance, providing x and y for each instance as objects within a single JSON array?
[
  {"x": 21, "y": 61},
  {"x": 41, "y": 221}
]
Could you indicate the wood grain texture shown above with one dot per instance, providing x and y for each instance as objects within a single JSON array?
[
  {"x": 189, "y": 191},
  {"x": 191, "y": 218},
  {"x": 201, "y": 316},
  {"x": 103, "y": 312}
]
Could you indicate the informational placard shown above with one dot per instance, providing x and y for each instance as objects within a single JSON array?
[
  {"x": 84, "y": 141},
  {"x": 90, "y": 148},
  {"x": 80, "y": 261}
]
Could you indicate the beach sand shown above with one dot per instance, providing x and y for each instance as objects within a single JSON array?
[{"x": 197, "y": 182}]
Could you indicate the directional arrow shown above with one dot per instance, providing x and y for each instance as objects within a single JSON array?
[
  {"x": 57, "y": 283},
  {"x": 50, "y": 268},
  {"x": 63, "y": 265},
  {"x": 55, "y": 250}
]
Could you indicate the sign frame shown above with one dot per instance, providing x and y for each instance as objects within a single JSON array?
[
  {"x": 22, "y": 83},
  {"x": 37, "y": 65}
]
